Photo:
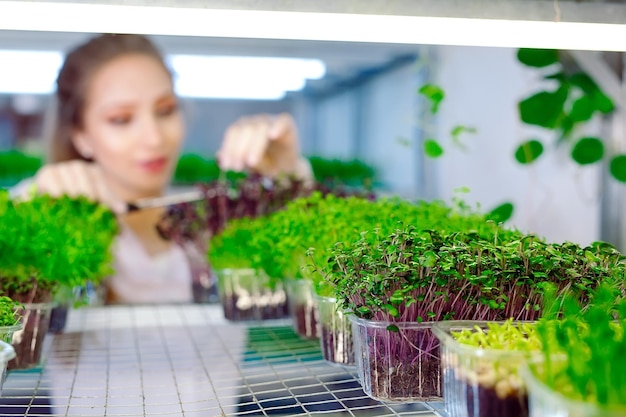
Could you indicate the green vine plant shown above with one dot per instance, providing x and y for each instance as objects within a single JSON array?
[
  {"x": 433, "y": 148},
  {"x": 573, "y": 99}
]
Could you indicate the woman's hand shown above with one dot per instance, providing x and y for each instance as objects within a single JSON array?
[
  {"x": 77, "y": 178},
  {"x": 267, "y": 144}
]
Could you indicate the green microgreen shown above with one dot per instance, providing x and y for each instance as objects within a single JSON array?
[
  {"x": 48, "y": 242},
  {"x": 9, "y": 312},
  {"x": 508, "y": 335},
  {"x": 584, "y": 347}
]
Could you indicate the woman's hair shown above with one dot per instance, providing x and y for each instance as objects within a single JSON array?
[{"x": 73, "y": 82}]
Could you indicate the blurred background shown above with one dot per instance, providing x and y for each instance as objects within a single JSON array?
[{"x": 366, "y": 110}]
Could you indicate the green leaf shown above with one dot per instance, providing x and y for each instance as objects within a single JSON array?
[
  {"x": 429, "y": 259},
  {"x": 582, "y": 109},
  {"x": 435, "y": 94},
  {"x": 501, "y": 213},
  {"x": 458, "y": 131},
  {"x": 600, "y": 101},
  {"x": 432, "y": 149},
  {"x": 403, "y": 142},
  {"x": 528, "y": 151},
  {"x": 603, "y": 103},
  {"x": 393, "y": 312},
  {"x": 544, "y": 108},
  {"x": 588, "y": 150},
  {"x": 584, "y": 82},
  {"x": 617, "y": 168},
  {"x": 537, "y": 57},
  {"x": 393, "y": 328}
]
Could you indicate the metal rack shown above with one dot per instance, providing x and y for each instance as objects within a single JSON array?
[{"x": 186, "y": 360}]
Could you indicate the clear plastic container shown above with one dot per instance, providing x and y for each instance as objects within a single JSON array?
[
  {"x": 545, "y": 402},
  {"x": 480, "y": 382},
  {"x": 302, "y": 307},
  {"x": 335, "y": 332},
  {"x": 397, "y": 362},
  {"x": 28, "y": 341},
  {"x": 6, "y": 354},
  {"x": 246, "y": 294},
  {"x": 6, "y": 332}
]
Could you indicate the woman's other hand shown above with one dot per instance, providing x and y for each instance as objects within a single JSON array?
[
  {"x": 77, "y": 178},
  {"x": 266, "y": 144}
]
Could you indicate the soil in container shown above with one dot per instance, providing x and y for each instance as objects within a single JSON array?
[{"x": 420, "y": 379}]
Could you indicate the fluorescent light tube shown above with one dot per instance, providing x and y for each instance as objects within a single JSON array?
[
  {"x": 242, "y": 77},
  {"x": 225, "y": 77},
  {"x": 188, "y": 21},
  {"x": 29, "y": 72}
]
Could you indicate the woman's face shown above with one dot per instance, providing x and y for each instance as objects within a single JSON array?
[{"x": 132, "y": 126}]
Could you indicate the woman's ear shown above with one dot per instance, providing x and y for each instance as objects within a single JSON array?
[{"x": 81, "y": 143}]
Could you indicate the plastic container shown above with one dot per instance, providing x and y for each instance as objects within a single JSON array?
[
  {"x": 28, "y": 341},
  {"x": 245, "y": 294},
  {"x": 480, "y": 382},
  {"x": 397, "y": 362},
  {"x": 6, "y": 332},
  {"x": 203, "y": 279},
  {"x": 302, "y": 307},
  {"x": 545, "y": 402},
  {"x": 335, "y": 332},
  {"x": 7, "y": 352}
]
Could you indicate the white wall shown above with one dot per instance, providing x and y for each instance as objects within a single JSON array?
[
  {"x": 554, "y": 197},
  {"x": 375, "y": 122},
  {"x": 336, "y": 121}
]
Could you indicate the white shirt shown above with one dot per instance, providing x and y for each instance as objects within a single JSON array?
[{"x": 142, "y": 278}]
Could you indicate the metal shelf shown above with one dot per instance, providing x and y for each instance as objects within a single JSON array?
[{"x": 186, "y": 361}]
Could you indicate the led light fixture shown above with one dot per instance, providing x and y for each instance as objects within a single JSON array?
[{"x": 196, "y": 21}]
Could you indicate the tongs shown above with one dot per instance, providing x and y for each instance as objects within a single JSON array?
[{"x": 165, "y": 201}]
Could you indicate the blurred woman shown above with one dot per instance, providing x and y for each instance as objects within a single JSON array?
[{"x": 117, "y": 136}]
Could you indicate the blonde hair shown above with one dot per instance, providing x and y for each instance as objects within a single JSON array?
[{"x": 66, "y": 113}]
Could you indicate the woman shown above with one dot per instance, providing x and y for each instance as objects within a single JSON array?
[{"x": 117, "y": 137}]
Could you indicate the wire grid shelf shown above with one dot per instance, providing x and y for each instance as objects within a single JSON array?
[{"x": 186, "y": 361}]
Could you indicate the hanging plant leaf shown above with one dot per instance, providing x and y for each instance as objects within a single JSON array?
[
  {"x": 584, "y": 82},
  {"x": 559, "y": 76},
  {"x": 403, "y": 142},
  {"x": 582, "y": 109},
  {"x": 544, "y": 108},
  {"x": 528, "y": 151},
  {"x": 601, "y": 101},
  {"x": 537, "y": 57},
  {"x": 617, "y": 167},
  {"x": 588, "y": 151},
  {"x": 432, "y": 149},
  {"x": 435, "y": 94},
  {"x": 502, "y": 213},
  {"x": 457, "y": 131}
]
